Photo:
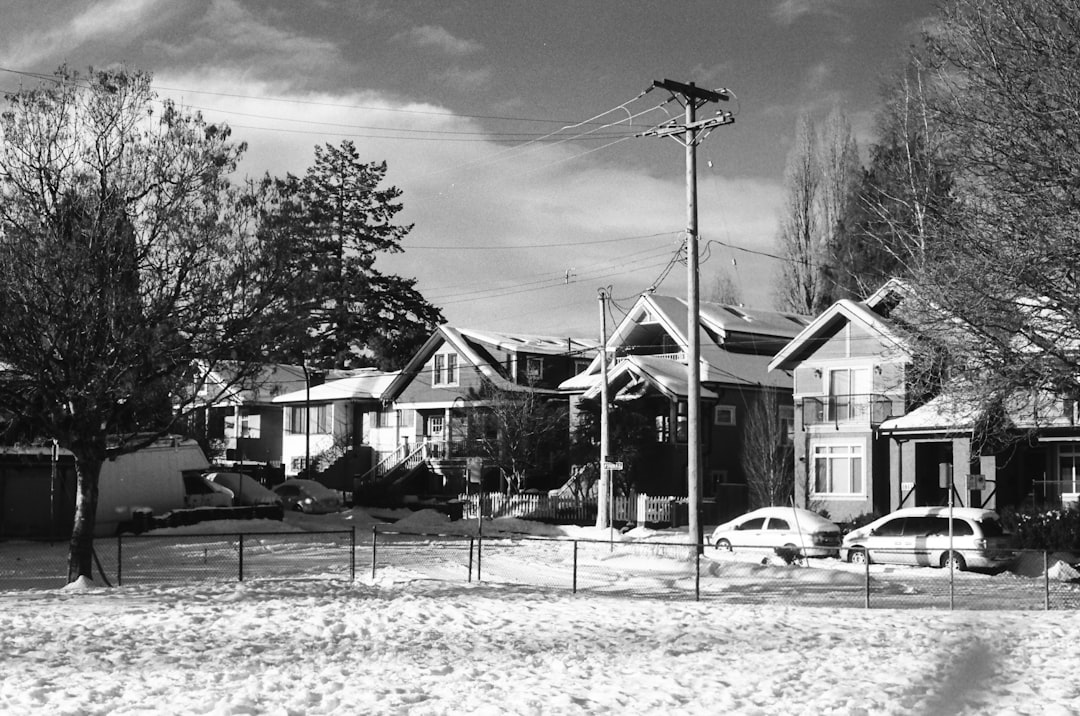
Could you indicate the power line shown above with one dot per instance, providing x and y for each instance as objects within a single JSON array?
[{"x": 490, "y": 247}]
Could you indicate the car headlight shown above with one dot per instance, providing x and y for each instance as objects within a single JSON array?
[{"x": 307, "y": 500}]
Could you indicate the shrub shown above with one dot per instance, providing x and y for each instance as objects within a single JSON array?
[{"x": 1051, "y": 530}]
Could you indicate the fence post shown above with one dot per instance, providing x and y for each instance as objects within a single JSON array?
[
  {"x": 866, "y": 568},
  {"x": 575, "y": 566},
  {"x": 374, "y": 548},
  {"x": 241, "y": 561},
  {"x": 1046, "y": 579},
  {"x": 471, "y": 540},
  {"x": 352, "y": 554},
  {"x": 479, "y": 553},
  {"x": 697, "y": 572},
  {"x": 119, "y": 560}
]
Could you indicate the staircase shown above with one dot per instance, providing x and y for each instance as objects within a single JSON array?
[{"x": 403, "y": 459}]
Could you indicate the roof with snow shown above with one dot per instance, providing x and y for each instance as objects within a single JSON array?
[{"x": 367, "y": 384}]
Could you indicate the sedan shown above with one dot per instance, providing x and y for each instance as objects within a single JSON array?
[
  {"x": 770, "y": 528},
  {"x": 309, "y": 496}
]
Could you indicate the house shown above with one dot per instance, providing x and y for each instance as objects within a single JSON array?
[
  {"x": 238, "y": 420},
  {"x": 333, "y": 426},
  {"x": 432, "y": 410},
  {"x": 864, "y": 443},
  {"x": 647, "y": 382},
  {"x": 849, "y": 368}
]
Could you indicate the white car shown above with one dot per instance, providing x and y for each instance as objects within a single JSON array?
[
  {"x": 769, "y": 528},
  {"x": 920, "y": 536}
]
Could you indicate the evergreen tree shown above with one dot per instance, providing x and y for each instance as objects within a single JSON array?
[{"x": 338, "y": 219}]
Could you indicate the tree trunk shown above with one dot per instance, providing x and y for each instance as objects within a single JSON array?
[{"x": 81, "y": 549}]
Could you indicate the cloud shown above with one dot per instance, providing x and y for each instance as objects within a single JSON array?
[
  {"x": 62, "y": 35},
  {"x": 438, "y": 38},
  {"x": 507, "y": 204},
  {"x": 232, "y": 36},
  {"x": 787, "y": 12},
  {"x": 464, "y": 80}
]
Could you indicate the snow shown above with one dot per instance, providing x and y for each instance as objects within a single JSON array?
[{"x": 405, "y": 643}]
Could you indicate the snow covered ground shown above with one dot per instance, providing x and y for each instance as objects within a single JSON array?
[{"x": 407, "y": 642}]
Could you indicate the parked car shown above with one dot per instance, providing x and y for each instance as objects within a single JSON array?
[
  {"x": 769, "y": 528},
  {"x": 920, "y": 536},
  {"x": 309, "y": 496},
  {"x": 245, "y": 489}
]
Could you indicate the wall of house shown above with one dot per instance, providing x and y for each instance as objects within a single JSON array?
[
  {"x": 294, "y": 446},
  {"x": 874, "y": 474},
  {"x": 421, "y": 390}
]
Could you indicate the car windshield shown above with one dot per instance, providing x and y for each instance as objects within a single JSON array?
[
  {"x": 991, "y": 528},
  {"x": 320, "y": 491}
]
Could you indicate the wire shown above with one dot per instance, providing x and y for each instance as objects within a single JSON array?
[{"x": 489, "y": 247}]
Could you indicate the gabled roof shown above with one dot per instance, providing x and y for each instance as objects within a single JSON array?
[
  {"x": 271, "y": 380},
  {"x": 748, "y": 328},
  {"x": 638, "y": 372},
  {"x": 463, "y": 340},
  {"x": 826, "y": 324},
  {"x": 722, "y": 319},
  {"x": 528, "y": 343},
  {"x": 368, "y": 384}
]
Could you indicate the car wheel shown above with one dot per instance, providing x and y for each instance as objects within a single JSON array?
[
  {"x": 957, "y": 560},
  {"x": 723, "y": 545},
  {"x": 858, "y": 555}
]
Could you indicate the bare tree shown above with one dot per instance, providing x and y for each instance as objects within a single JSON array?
[
  {"x": 122, "y": 260},
  {"x": 724, "y": 289},
  {"x": 820, "y": 180},
  {"x": 768, "y": 453},
  {"x": 1002, "y": 260},
  {"x": 520, "y": 429}
]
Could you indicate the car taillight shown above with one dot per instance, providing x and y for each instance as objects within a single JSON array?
[{"x": 980, "y": 544}]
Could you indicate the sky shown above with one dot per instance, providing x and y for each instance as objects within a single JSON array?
[
  {"x": 511, "y": 128},
  {"x": 418, "y": 638}
]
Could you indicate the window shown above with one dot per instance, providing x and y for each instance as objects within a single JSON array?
[
  {"x": 663, "y": 428},
  {"x": 755, "y": 524},
  {"x": 787, "y": 424},
  {"x": 581, "y": 365},
  {"x": 724, "y": 415},
  {"x": 444, "y": 369},
  {"x": 386, "y": 418},
  {"x": 451, "y": 369},
  {"x": 437, "y": 374},
  {"x": 321, "y": 420},
  {"x": 298, "y": 464},
  {"x": 849, "y": 391},
  {"x": 435, "y": 424},
  {"x": 534, "y": 368},
  {"x": 775, "y": 523},
  {"x": 681, "y": 432},
  {"x": 838, "y": 470}
]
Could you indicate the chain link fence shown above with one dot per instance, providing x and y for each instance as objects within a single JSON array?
[{"x": 656, "y": 569}]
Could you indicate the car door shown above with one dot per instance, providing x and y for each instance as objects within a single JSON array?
[
  {"x": 922, "y": 536},
  {"x": 886, "y": 543},
  {"x": 777, "y": 533},
  {"x": 749, "y": 534}
]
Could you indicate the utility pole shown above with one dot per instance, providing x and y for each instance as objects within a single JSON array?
[
  {"x": 604, "y": 489},
  {"x": 692, "y": 132}
]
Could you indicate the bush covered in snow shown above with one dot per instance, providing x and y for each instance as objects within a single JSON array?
[{"x": 1044, "y": 529}]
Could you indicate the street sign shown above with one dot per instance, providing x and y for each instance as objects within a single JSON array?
[
  {"x": 976, "y": 482},
  {"x": 613, "y": 465}
]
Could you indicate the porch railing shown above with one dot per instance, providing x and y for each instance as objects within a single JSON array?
[{"x": 405, "y": 456}]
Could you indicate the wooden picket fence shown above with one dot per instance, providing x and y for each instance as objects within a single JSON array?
[{"x": 640, "y": 509}]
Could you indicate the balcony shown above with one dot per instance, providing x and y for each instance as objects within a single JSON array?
[
  {"x": 679, "y": 356},
  {"x": 853, "y": 410}
]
